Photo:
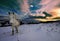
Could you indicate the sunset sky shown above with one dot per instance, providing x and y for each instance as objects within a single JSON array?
[{"x": 28, "y": 6}]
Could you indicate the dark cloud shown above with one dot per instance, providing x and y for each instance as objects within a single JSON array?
[
  {"x": 35, "y": 4},
  {"x": 58, "y": 5},
  {"x": 9, "y": 5}
]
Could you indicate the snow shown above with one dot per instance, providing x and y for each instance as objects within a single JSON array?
[{"x": 32, "y": 32}]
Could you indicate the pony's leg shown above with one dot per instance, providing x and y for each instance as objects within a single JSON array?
[
  {"x": 16, "y": 27},
  {"x": 12, "y": 30}
]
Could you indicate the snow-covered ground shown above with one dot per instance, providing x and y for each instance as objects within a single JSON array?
[{"x": 32, "y": 32}]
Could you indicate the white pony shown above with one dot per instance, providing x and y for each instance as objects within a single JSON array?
[{"x": 14, "y": 22}]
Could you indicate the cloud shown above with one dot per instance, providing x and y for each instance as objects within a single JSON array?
[
  {"x": 8, "y": 5},
  {"x": 48, "y": 5}
]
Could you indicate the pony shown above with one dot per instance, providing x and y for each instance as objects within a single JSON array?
[{"x": 13, "y": 21}]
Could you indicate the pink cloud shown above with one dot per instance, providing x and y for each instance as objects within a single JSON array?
[{"x": 48, "y": 5}]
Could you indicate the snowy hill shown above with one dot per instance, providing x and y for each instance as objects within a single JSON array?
[{"x": 32, "y": 32}]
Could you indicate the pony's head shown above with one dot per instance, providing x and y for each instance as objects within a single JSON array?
[{"x": 11, "y": 13}]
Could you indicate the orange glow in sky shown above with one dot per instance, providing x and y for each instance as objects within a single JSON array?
[{"x": 55, "y": 12}]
